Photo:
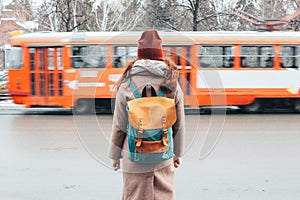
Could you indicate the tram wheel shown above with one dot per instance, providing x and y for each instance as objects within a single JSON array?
[
  {"x": 84, "y": 106},
  {"x": 296, "y": 105},
  {"x": 254, "y": 107}
]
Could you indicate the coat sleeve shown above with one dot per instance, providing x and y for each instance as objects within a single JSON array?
[
  {"x": 179, "y": 126},
  {"x": 119, "y": 127}
]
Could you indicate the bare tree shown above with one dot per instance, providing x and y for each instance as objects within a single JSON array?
[
  {"x": 269, "y": 14},
  {"x": 156, "y": 14},
  {"x": 179, "y": 15},
  {"x": 130, "y": 16},
  {"x": 194, "y": 7},
  {"x": 165, "y": 14},
  {"x": 200, "y": 15},
  {"x": 115, "y": 16},
  {"x": 88, "y": 15},
  {"x": 65, "y": 15},
  {"x": 23, "y": 10}
]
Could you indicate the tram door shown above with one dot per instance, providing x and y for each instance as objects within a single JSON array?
[
  {"x": 181, "y": 55},
  {"x": 46, "y": 75}
]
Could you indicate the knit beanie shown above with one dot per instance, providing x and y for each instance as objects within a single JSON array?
[{"x": 150, "y": 46}]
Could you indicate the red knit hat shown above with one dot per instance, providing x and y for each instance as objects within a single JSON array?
[{"x": 150, "y": 46}]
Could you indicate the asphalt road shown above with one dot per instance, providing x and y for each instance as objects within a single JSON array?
[{"x": 228, "y": 157}]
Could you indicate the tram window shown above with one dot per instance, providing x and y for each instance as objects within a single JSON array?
[
  {"x": 41, "y": 59},
  {"x": 13, "y": 58},
  {"x": 174, "y": 54},
  {"x": 51, "y": 58},
  {"x": 290, "y": 56},
  {"x": 168, "y": 52},
  {"x": 178, "y": 56},
  {"x": 257, "y": 56},
  {"x": 59, "y": 59},
  {"x": 89, "y": 56},
  {"x": 216, "y": 56},
  {"x": 31, "y": 58},
  {"x": 188, "y": 56},
  {"x": 123, "y": 54}
]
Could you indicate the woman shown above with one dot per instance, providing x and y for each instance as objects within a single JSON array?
[{"x": 147, "y": 181}]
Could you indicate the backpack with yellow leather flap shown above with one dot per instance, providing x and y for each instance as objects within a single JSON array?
[{"x": 150, "y": 132}]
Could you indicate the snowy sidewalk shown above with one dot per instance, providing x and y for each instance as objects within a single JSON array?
[{"x": 10, "y": 105}]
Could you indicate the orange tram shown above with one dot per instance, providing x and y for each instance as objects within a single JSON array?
[{"x": 78, "y": 70}]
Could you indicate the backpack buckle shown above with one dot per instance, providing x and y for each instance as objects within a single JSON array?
[
  {"x": 163, "y": 121},
  {"x": 165, "y": 140},
  {"x": 140, "y": 129},
  {"x": 140, "y": 134},
  {"x": 139, "y": 142}
]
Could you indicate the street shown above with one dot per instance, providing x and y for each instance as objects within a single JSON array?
[{"x": 65, "y": 157}]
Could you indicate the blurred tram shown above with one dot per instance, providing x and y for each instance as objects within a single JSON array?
[{"x": 251, "y": 70}]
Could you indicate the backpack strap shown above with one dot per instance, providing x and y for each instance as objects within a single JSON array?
[
  {"x": 134, "y": 89},
  {"x": 136, "y": 92},
  {"x": 148, "y": 90},
  {"x": 160, "y": 93}
]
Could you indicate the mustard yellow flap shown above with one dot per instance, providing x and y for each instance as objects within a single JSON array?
[{"x": 151, "y": 110}]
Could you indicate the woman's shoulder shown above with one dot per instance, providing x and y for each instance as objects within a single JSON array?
[
  {"x": 178, "y": 92},
  {"x": 124, "y": 87}
]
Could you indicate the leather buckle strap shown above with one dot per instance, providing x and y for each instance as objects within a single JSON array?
[
  {"x": 152, "y": 146},
  {"x": 165, "y": 140},
  {"x": 140, "y": 134}
]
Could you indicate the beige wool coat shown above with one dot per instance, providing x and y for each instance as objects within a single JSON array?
[{"x": 145, "y": 175}]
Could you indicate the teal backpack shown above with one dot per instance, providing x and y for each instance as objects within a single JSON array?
[{"x": 150, "y": 124}]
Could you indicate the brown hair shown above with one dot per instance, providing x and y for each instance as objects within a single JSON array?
[{"x": 169, "y": 84}]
